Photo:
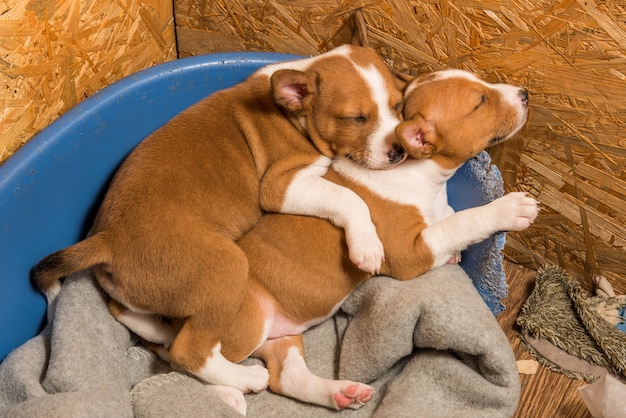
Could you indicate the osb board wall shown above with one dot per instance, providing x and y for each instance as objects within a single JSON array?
[
  {"x": 570, "y": 54},
  {"x": 54, "y": 53}
]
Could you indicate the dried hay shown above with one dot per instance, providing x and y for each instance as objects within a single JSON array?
[
  {"x": 54, "y": 53},
  {"x": 570, "y": 54}
]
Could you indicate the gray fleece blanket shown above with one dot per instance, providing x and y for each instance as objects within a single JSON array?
[{"x": 430, "y": 347}]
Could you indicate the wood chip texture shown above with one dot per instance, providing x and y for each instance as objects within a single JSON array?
[{"x": 55, "y": 53}]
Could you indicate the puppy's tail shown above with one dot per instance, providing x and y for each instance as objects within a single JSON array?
[{"x": 51, "y": 269}]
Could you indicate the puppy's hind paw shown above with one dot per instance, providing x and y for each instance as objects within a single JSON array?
[
  {"x": 353, "y": 396},
  {"x": 455, "y": 259},
  {"x": 254, "y": 378},
  {"x": 231, "y": 396}
]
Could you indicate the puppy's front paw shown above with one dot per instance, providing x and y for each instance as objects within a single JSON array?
[
  {"x": 516, "y": 211},
  {"x": 365, "y": 249}
]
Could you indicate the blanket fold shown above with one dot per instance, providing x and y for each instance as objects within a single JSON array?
[
  {"x": 429, "y": 346},
  {"x": 456, "y": 354}
]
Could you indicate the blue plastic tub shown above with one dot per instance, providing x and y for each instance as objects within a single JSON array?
[{"x": 51, "y": 188}]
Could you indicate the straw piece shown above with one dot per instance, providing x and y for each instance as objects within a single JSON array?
[
  {"x": 597, "y": 176},
  {"x": 552, "y": 176}
]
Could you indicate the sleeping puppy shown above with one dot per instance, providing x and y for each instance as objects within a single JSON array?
[
  {"x": 299, "y": 267},
  {"x": 164, "y": 238},
  {"x": 299, "y": 270}
]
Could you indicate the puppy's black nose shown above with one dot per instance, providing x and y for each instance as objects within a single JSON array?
[
  {"x": 524, "y": 96},
  {"x": 396, "y": 155}
]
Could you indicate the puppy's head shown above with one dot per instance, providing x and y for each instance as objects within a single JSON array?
[
  {"x": 346, "y": 102},
  {"x": 452, "y": 115}
]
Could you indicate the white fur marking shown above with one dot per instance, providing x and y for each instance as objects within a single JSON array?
[
  {"x": 303, "y": 64},
  {"x": 419, "y": 183},
  {"x": 387, "y": 120},
  {"x": 231, "y": 396},
  {"x": 218, "y": 370},
  {"x": 310, "y": 194},
  {"x": 52, "y": 295},
  {"x": 512, "y": 212},
  {"x": 150, "y": 327},
  {"x": 297, "y": 381}
]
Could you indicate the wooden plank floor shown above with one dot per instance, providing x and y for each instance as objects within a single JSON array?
[{"x": 546, "y": 394}]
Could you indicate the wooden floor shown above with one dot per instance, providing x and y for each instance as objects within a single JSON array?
[{"x": 545, "y": 394}]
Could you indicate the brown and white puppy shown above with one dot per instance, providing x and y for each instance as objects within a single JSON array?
[
  {"x": 163, "y": 240},
  {"x": 300, "y": 271},
  {"x": 299, "y": 268}
]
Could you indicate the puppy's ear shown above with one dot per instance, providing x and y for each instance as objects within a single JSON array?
[
  {"x": 418, "y": 137},
  {"x": 293, "y": 90},
  {"x": 401, "y": 80}
]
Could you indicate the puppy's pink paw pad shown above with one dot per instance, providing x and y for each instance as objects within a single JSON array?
[
  {"x": 366, "y": 395},
  {"x": 354, "y": 396},
  {"x": 342, "y": 400}
]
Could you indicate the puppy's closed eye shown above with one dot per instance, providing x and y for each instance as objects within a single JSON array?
[{"x": 482, "y": 100}]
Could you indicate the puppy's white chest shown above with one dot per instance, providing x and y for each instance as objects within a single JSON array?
[{"x": 419, "y": 183}]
